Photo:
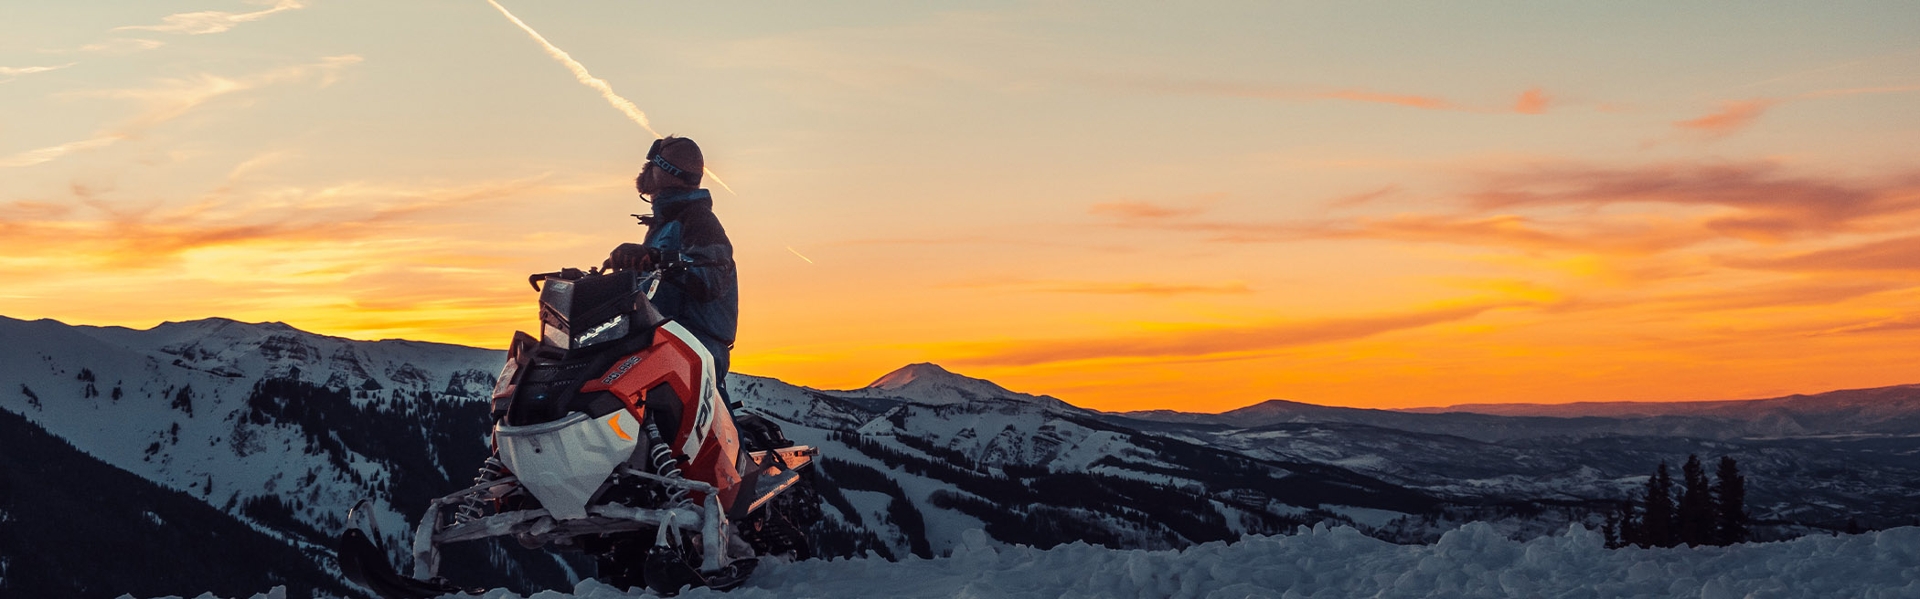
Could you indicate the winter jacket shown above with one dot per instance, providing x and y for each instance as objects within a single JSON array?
[{"x": 704, "y": 295}]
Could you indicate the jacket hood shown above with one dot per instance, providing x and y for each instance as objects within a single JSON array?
[{"x": 670, "y": 203}]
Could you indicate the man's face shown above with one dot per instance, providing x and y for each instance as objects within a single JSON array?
[{"x": 649, "y": 181}]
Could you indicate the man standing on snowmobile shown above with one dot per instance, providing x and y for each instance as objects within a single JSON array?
[{"x": 686, "y": 242}]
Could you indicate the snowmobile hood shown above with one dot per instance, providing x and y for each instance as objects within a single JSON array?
[{"x": 565, "y": 462}]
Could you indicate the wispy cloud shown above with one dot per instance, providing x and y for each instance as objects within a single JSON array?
[
  {"x": 1407, "y": 100},
  {"x": 39, "y": 155},
  {"x": 9, "y": 73},
  {"x": 1899, "y": 324},
  {"x": 149, "y": 236},
  {"x": 211, "y": 21},
  {"x": 1216, "y": 341},
  {"x": 1732, "y": 118},
  {"x": 1152, "y": 289},
  {"x": 1505, "y": 230},
  {"x": 123, "y": 45},
  {"x": 1901, "y": 254},
  {"x": 1769, "y": 296},
  {"x": 1767, "y": 203},
  {"x": 1156, "y": 289},
  {"x": 1365, "y": 197},
  {"x": 1531, "y": 101},
  {"x": 1862, "y": 91},
  {"x": 1135, "y": 211},
  {"x": 1637, "y": 236},
  {"x": 1234, "y": 89},
  {"x": 175, "y": 97},
  {"x": 1528, "y": 209}
]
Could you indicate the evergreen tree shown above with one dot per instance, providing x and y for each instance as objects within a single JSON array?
[
  {"x": 1695, "y": 517},
  {"x": 1656, "y": 528},
  {"x": 183, "y": 400},
  {"x": 1610, "y": 530},
  {"x": 1730, "y": 518},
  {"x": 1630, "y": 533}
]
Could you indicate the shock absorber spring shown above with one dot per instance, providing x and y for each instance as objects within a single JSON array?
[
  {"x": 474, "y": 507},
  {"x": 665, "y": 465}
]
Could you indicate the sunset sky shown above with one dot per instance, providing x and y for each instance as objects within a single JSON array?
[{"x": 1124, "y": 205}]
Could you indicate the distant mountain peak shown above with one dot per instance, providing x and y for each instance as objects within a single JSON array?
[
  {"x": 927, "y": 382},
  {"x": 928, "y": 372}
]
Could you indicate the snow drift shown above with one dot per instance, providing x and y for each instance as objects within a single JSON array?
[{"x": 1472, "y": 561}]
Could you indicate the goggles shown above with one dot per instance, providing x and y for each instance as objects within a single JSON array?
[{"x": 653, "y": 156}]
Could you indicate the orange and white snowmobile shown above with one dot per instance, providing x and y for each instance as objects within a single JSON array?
[{"x": 611, "y": 437}]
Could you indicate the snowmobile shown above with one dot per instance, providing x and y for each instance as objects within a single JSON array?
[{"x": 610, "y": 436}]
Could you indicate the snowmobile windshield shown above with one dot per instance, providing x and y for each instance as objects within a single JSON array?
[{"x": 594, "y": 309}]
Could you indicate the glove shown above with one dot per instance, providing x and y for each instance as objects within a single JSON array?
[
  {"x": 758, "y": 434},
  {"x": 632, "y": 256}
]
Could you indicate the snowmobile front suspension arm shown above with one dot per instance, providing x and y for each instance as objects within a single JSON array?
[{"x": 683, "y": 483}]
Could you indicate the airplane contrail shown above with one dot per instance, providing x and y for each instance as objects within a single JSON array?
[{"x": 624, "y": 105}]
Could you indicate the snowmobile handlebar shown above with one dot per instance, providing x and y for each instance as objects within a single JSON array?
[
  {"x": 648, "y": 279},
  {"x": 564, "y": 274}
]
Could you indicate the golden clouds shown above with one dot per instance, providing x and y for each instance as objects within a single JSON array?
[
  {"x": 1214, "y": 341},
  {"x": 1227, "y": 203},
  {"x": 357, "y": 259}
]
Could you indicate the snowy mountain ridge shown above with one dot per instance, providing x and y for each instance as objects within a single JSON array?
[
  {"x": 282, "y": 430},
  {"x": 1881, "y": 411},
  {"x": 1854, "y": 407}
]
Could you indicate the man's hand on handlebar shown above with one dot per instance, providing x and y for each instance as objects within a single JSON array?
[{"x": 633, "y": 256}]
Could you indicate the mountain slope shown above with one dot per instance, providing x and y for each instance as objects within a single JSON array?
[
  {"x": 278, "y": 429},
  {"x": 60, "y": 507}
]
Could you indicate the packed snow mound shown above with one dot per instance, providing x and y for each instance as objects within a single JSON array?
[{"x": 1472, "y": 561}]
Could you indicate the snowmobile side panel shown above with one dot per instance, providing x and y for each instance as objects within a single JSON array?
[
  {"x": 563, "y": 463},
  {"x": 704, "y": 418},
  {"x": 709, "y": 439},
  {"x": 668, "y": 360}
]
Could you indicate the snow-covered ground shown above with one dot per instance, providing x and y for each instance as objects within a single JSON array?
[{"x": 1473, "y": 561}]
